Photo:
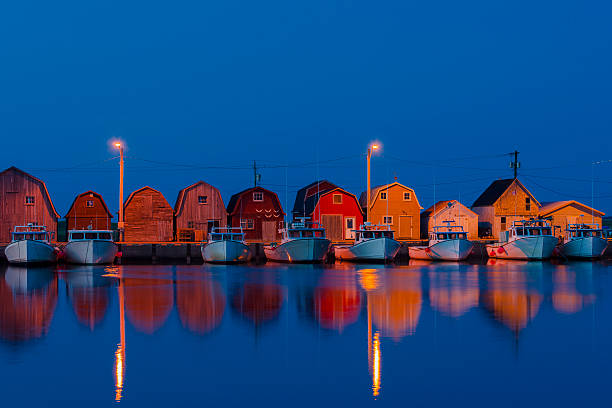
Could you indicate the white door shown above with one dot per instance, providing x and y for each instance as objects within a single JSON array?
[{"x": 349, "y": 226}]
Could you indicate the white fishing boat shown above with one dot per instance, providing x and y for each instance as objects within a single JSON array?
[
  {"x": 30, "y": 245},
  {"x": 583, "y": 241},
  {"x": 226, "y": 245},
  {"x": 526, "y": 239},
  {"x": 90, "y": 247},
  {"x": 446, "y": 243},
  {"x": 303, "y": 241},
  {"x": 373, "y": 243}
]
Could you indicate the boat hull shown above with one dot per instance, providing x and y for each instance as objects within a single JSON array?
[
  {"x": 90, "y": 252},
  {"x": 377, "y": 249},
  {"x": 30, "y": 252},
  {"x": 584, "y": 248},
  {"x": 447, "y": 250},
  {"x": 304, "y": 250},
  {"x": 527, "y": 248},
  {"x": 225, "y": 252}
]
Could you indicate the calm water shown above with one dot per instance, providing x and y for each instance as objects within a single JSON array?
[{"x": 510, "y": 334}]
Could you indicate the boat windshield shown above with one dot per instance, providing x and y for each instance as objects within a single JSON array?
[
  {"x": 30, "y": 235},
  {"x": 216, "y": 236},
  {"x": 586, "y": 233},
  {"x": 306, "y": 233},
  {"x": 450, "y": 235},
  {"x": 103, "y": 235},
  {"x": 373, "y": 234},
  {"x": 531, "y": 231}
]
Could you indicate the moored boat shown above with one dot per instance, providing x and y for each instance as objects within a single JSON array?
[
  {"x": 373, "y": 243},
  {"x": 526, "y": 240},
  {"x": 446, "y": 243},
  {"x": 30, "y": 245},
  {"x": 226, "y": 245},
  {"x": 90, "y": 247},
  {"x": 583, "y": 241},
  {"x": 303, "y": 241}
]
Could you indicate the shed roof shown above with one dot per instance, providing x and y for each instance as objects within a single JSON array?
[
  {"x": 180, "y": 199},
  {"x": 311, "y": 202},
  {"x": 443, "y": 205},
  {"x": 233, "y": 202},
  {"x": 95, "y": 194},
  {"x": 300, "y": 198},
  {"x": 550, "y": 207},
  {"x": 127, "y": 202},
  {"x": 496, "y": 190},
  {"x": 42, "y": 183},
  {"x": 374, "y": 194}
]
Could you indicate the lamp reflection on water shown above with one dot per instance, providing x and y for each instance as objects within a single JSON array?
[
  {"x": 370, "y": 281},
  {"x": 120, "y": 352}
]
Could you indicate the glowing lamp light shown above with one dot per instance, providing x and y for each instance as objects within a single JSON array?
[
  {"x": 117, "y": 144},
  {"x": 375, "y": 147}
]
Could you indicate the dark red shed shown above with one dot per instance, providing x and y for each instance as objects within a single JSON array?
[
  {"x": 259, "y": 212},
  {"x": 88, "y": 210}
]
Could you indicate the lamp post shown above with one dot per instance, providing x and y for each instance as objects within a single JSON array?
[
  {"x": 371, "y": 149},
  {"x": 120, "y": 223}
]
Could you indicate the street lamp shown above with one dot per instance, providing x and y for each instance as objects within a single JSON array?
[
  {"x": 371, "y": 149},
  {"x": 120, "y": 223}
]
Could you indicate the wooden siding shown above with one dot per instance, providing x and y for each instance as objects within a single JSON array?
[
  {"x": 148, "y": 217},
  {"x": 189, "y": 213},
  {"x": 82, "y": 216},
  {"x": 459, "y": 213},
  {"x": 348, "y": 209},
  {"x": 260, "y": 213},
  {"x": 571, "y": 214},
  {"x": 395, "y": 207},
  {"x": 15, "y": 186}
]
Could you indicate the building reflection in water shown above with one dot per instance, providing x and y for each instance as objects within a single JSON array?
[
  {"x": 149, "y": 299},
  {"x": 453, "y": 293},
  {"x": 28, "y": 297},
  {"x": 200, "y": 301},
  {"x": 88, "y": 291},
  {"x": 259, "y": 299},
  {"x": 337, "y": 300},
  {"x": 566, "y": 299}
]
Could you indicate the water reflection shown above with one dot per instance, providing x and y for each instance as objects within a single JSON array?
[
  {"x": 566, "y": 298},
  {"x": 200, "y": 301},
  {"x": 259, "y": 299},
  {"x": 453, "y": 293},
  {"x": 89, "y": 294},
  {"x": 28, "y": 297},
  {"x": 337, "y": 300},
  {"x": 149, "y": 298}
]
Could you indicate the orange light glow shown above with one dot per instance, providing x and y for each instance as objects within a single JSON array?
[
  {"x": 376, "y": 366},
  {"x": 119, "y": 370},
  {"x": 117, "y": 144},
  {"x": 374, "y": 147}
]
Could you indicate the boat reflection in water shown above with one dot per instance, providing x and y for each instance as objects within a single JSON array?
[
  {"x": 28, "y": 297},
  {"x": 89, "y": 293},
  {"x": 200, "y": 301},
  {"x": 453, "y": 289}
]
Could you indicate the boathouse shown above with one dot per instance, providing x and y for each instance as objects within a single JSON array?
[
  {"x": 562, "y": 213},
  {"x": 24, "y": 199},
  {"x": 88, "y": 211},
  {"x": 396, "y": 205},
  {"x": 259, "y": 212},
  {"x": 335, "y": 208},
  {"x": 449, "y": 210},
  {"x": 503, "y": 202},
  {"x": 148, "y": 217},
  {"x": 198, "y": 209}
]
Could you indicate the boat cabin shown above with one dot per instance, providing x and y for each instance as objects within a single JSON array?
[
  {"x": 527, "y": 228},
  {"x": 369, "y": 231},
  {"x": 448, "y": 231},
  {"x": 305, "y": 229},
  {"x": 226, "y": 234},
  {"x": 574, "y": 231},
  {"x": 80, "y": 235},
  {"x": 30, "y": 233}
]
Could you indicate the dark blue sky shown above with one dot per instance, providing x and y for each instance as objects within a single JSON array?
[{"x": 222, "y": 83}]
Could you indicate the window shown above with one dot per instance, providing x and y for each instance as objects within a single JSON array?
[
  {"x": 190, "y": 224},
  {"x": 337, "y": 199},
  {"x": 503, "y": 223},
  {"x": 202, "y": 199},
  {"x": 387, "y": 219},
  {"x": 105, "y": 235},
  {"x": 406, "y": 195},
  {"x": 527, "y": 204},
  {"x": 89, "y": 203},
  {"x": 383, "y": 195},
  {"x": 91, "y": 235},
  {"x": 77, "y": 235},
  {"x": 29, "y": 200},
  {"x": 258, "y": 196},
  {"x": 248, "y": 224}
]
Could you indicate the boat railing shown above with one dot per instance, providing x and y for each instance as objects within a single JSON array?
[
  {"x": 588, "y": 227},
  {"x": 534, "y": 223},
  {"x": 373, "y": 227}
]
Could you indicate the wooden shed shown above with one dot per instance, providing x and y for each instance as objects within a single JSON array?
[
  {"x": 88, "y": 210},
  {"x": 449, "y": 210},
  {"x": 335, "y": 208},
  {"x": 503, "y": 202},
  {"x": 563, "y": 213},
  {"x": 148, "y": 217},
  {"x": 396, "y": 205},
  {"x": 259, "y": 212},
  {"x": 198, "y": 209},
  {"x": 24, "y": 199}
]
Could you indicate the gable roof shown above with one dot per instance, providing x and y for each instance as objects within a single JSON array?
[
  {"x": 127, "y": 202},
  {"x": 311, "y": 202},
  {"x": 233, "y": 202},
  {"x": 553, "y": 206},
  {"x": 496, "y": 189},
  {"x": 441, "y": 206},
  {"x": 180, "y": 199},
  {"x": 300, "y": 198},
  {"x": 363, "y": 201},
  {"x": 42, "y": 183},
  {"x": 95, "y": 194}
]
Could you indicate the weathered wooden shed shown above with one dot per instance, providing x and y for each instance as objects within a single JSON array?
[
  {"x": 567, "y": 212},
  {"x": 24, "y": 199},
  {"x": 396, "y": 205},
  {"x": 88, "y": 210},
  {"x": 259, "y": 212},
  {"x": 197, "y": 210},
  {"x": 335, "y": 208},
  {"x": 148, "y": 217},
  {"x": 449, "y": 210},
  {"x": 502, "y": 203}
]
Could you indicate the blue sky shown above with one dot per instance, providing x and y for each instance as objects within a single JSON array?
[{"x": 448, "y": 87}]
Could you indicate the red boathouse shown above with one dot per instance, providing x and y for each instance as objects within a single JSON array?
[
  {"x": 259, "y": 212},
  {"x": 88, "y": 210}
]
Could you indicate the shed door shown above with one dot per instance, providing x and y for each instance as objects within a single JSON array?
[
  {"x": 333, "y": 226},
  {"x": 405, "y": 226},
  {"x": 268, "y": 231}
]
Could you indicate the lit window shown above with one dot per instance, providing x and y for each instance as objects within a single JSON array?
[
  {"x": 406, "y": 196},
  {"x": 29, "y": 200},
  {"x": 247, "y": 224},
  {"x": 337, "y": 199},
  {"x": 202, "y": 199},
  {"x": 89, "y": 203},
  {"x": 383, "y": 195},
  {"x": 388, "y": 220},
  {"x": 258, "y": 196}
]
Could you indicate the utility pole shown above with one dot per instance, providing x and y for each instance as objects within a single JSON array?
[{"x": 515, "y": 164}]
